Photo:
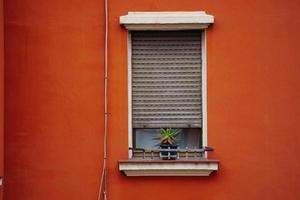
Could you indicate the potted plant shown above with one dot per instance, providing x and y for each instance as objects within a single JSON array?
[{"x": 168, "y": 141}]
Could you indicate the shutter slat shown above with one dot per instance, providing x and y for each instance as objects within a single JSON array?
[
  {"x": 161, "y": 79},
  {"x": 169, "y": 67},
  {"x": 153, "y": 105},
  {"x": 165, "y": 56},
  {"x": 166, "y": 76},
  {"x": 163, "y": 84},
  {"x": 165, "y": 38},
  {"x": 165, "y": 109},
  {"x": 163, "y": 48},
  {"x": 171, "y": 100},
  {"x": 194, "y": 51},
  {"x": 172, "y": 124},
  {"x": 158, "y": 88},
  {"x": 180, "y": 113},
  {"x": 166, "y": 79},
  {"x": 166, "y": 43},
  {"x": 164, "y": 96},
  {"x": 170, "y": 73},
  {"x": 167, "y": 117},
  {"x": 166, "y": 91},
  {"x": 166, "y": 62}
]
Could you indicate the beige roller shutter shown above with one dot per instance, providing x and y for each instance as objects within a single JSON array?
[{"x": 166, "y": 79}]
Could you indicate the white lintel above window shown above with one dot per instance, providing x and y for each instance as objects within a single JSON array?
[{"x": 166, "y": 20}]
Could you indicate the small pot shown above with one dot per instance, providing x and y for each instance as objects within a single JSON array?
[{"x": 168, "y": 155}]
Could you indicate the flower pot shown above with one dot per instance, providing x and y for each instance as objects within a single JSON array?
[{"x": 168, "y": 155}]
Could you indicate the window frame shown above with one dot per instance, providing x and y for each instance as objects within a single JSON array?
[{"x": 204, "y": 90}]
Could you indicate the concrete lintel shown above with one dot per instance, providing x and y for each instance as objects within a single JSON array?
[{"x": 166, "y": 20}]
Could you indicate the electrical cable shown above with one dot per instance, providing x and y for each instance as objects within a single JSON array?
[{"x": 103, "y": 182}]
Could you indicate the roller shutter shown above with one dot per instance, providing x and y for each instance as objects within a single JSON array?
[{"x": 166, "y": 79}]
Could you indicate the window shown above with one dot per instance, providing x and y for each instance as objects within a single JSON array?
[
  {"x": 166, "y": 63},
  {"x": 166, "y": 86}
]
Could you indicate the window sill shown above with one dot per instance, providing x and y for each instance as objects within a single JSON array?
[{"x": 203, "y": 167}]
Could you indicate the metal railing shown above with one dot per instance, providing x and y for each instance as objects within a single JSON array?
[{"x": 140, "y": 153}]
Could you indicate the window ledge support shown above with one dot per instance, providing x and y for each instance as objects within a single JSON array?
[
  {"x": 166, "y": 20},
  {"x": 203, "y": 167}
]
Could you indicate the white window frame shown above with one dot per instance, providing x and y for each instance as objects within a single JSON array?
[{"x": 135, "y": 21}]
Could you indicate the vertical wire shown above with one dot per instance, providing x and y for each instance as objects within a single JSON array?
[{"x": 103, "y": 182}]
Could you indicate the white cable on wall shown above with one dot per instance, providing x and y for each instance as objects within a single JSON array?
[{"x": 103, "y": 183}]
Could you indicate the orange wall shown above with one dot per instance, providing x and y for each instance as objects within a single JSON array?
[
  {"x": 54, "y": 107},
  {"x": 1, "y": 92},
  {"x": 54, "y": 101}
]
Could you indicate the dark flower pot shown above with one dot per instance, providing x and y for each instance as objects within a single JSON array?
[{"x": 168, "y": 155}]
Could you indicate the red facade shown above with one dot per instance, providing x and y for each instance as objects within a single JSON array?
[{"x": 54, "y": 101}]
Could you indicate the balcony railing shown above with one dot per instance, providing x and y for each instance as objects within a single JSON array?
[{"x": 140, "y": 153}]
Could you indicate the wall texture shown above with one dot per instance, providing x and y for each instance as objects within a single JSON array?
[
  {"x": 54, "y": 101},
  {"x": 54, "y": 107},
  {"x": 1, "y": 93}
]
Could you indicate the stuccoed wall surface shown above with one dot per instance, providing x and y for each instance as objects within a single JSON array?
[
  {"x": 1, "y": 94},
  {"x": 54, "y": 101}
]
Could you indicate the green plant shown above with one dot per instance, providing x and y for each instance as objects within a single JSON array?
[{"x": 168, "y": 136}]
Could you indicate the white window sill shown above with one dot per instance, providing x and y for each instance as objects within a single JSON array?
[{"x": 203, "y": 167}]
